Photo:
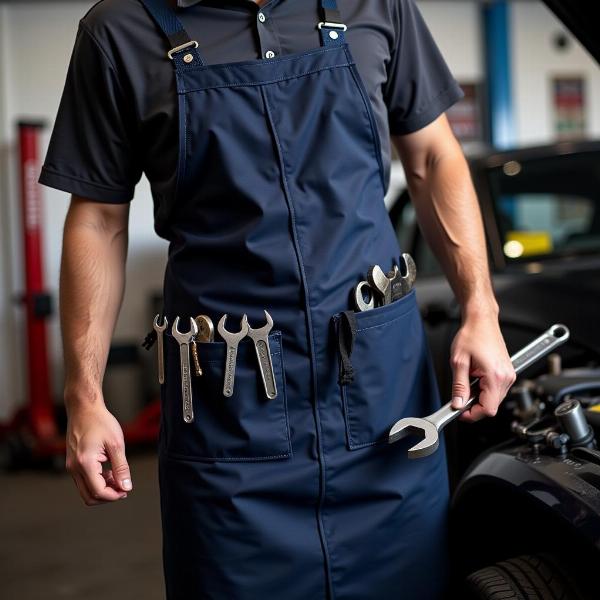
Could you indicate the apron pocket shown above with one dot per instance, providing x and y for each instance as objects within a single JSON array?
[
  {"x": 388, "y": 366},
  {"x": 246, "y": 426}
]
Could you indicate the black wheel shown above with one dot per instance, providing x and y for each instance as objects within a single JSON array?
[{"x": 524, "y": 578}]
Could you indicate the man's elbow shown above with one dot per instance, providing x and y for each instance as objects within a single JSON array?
[{"x": 101, "y": 218}]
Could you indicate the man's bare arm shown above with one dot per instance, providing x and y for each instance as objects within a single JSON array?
[
  {"x": 92, "y": 281},
  {"x": 448, "y": 213}
]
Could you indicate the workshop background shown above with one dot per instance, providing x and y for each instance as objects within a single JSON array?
[{"x": 537, "y": 63}]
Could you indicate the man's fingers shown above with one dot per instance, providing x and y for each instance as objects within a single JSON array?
[
  {"x": 487, "y": 403},
  {"x": 119, "y": 466},
  {"x": 460, "y": 383},
  {"x": 83, "y": 491},
  {"x": 91, "y": 471}
]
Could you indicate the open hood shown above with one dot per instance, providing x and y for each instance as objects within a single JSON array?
[{"x": 581, "y": 17}]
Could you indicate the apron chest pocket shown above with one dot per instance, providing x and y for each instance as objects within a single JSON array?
[
  {"x": 389, "y": 364},
  {"x": 246, "y": 426}
]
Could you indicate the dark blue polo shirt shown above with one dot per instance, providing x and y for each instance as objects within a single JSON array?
[{"x": 118, "y": 112}]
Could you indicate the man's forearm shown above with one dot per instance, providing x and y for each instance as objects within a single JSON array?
[
  {"x": 450, "y": 219},
  {"x": 92, "y": 281}
]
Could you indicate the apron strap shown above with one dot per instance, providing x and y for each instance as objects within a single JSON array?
[
  {"x": 331, "y": 27},
  {"x": 184, "y": 50}
]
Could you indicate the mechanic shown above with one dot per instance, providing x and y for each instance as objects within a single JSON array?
[{"x": 264, "y": 130}]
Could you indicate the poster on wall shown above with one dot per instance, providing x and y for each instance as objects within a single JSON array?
[
  {"x": 570, "y": 118},
  {"x": 466, "y": 115}
]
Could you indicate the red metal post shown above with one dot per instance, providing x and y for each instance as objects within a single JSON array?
[{"x": 41, "y": 406}]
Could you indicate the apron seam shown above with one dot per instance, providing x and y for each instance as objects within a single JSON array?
[
  {"x": 262, "y": 82},
  {"x": 315, "y": 404}
]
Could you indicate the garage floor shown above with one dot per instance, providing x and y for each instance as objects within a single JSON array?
[{"x": 52, "y": 546}]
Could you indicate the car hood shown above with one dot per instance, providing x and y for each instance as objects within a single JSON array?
[{"x": 580, "y": 16}]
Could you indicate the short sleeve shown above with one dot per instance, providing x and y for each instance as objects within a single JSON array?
[
  {"x": 420, "y": 86},
  {"x": 92, "y": 150}
]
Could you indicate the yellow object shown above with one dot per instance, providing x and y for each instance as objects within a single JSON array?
[
  {"x": 595, "y": 408},
  {"x": 527, "y": 243}
]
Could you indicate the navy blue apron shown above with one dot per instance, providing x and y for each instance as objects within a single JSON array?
[{"x": 279, "y": 205}]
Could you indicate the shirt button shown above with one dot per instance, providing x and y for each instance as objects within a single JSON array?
[
  {"x": 269, "y": 54},
  {"x": 261, "y": 17}
]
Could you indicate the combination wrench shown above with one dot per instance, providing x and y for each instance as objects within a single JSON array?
[
  {"x": 160, "y": 329},
  {"x": 431, "y": 426},
  {"x": 232, "y": 340},
  {"x": 184, "y": 340},
  {"x": 260, "y": 337}
]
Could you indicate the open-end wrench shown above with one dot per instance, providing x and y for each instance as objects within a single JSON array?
[
  {"x": 431, "y": 426},
  {"x": 402, "y": 280},
  {"x": 260, "y": 337},
  {"x": 380, "y": 282},
  {"x": 232, "y": 340},
  {"x": 184, "y": 340},
  {"x": 160, "y": 329}
]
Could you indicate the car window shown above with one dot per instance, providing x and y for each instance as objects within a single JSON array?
[{"x": 548, "y": 207}]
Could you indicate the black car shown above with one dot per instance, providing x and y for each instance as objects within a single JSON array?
[{"x": 541, "y": 211}]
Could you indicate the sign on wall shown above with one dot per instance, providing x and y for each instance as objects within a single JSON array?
[
  {"x": 466, "y": 115},
  {"x": 569, "y": 100}
]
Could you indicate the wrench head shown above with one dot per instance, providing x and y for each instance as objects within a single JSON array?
[
  {"x": 359, "y": 297},
  {"x": 412, "y": 425},
  {"x": 261, "y": 331},
  {"x": 158, "y": 327},
  {"x": 184, "y": 337},
  {"x": 229, "y": 336},
  {"x": 409, "y": 270}
]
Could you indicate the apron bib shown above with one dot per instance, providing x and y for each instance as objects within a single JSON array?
[{"x": 279, "y": 206}]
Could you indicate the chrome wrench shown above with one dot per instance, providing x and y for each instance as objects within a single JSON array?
[
  {"x": 232, "y": 340},
  {"x": 184, "y": 340},
  {"x": 431, "y": 426},
  {"x": 260, "y": 337},
  {"x": 160, "y": 329}
]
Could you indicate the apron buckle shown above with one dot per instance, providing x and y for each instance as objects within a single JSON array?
[
  {"x": 331, "y": 25},
  {"x": 172, "y": 51}
]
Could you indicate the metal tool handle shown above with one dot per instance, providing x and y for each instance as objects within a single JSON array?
[
  {"x": 229, "y": 378},
  {"x": 186, "y": 383},
  {"x": 161, "y": 359},
  {"x": 552, "y": 338},
  {"x": 266, "y": 368}
]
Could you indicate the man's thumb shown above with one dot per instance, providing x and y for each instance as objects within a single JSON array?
[
  {"x": 120, "y": 467},
  {"x": 460, "y": 385}
]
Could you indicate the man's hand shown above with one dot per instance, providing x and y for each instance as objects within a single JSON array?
[
  {"x": 94, "y": 437},
  {"x": 478, "y": 350}
]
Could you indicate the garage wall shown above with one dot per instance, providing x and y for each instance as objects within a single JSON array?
[
  {"x": 31, "y": 80},
  {"x": 535, "y": 62}
]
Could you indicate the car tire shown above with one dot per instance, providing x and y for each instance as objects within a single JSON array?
[{"x": 537, "y": 577}]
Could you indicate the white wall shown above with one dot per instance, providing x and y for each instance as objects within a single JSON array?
[
  {"x": 31, "y": 80},
  {"x": 535, "y": 62}
]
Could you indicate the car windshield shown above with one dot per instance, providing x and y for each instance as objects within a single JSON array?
[{"x": 548, "y": 206}]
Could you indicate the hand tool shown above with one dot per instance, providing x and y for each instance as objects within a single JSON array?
[
  {"x": 399, "y": 283},
  {"x": 206, "y": 333},
  {"x": 432, "y": 425},
  {"x": 379, "y": 282},
  {"x": 260, "y": 337},
  {"x": 184, "y": 340},
  {"x": 159, "y": 337},
  {"x": 359, "y": 297},
  {"x": 403, "y": 279},
  {"x": 232, "y": 340}
]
